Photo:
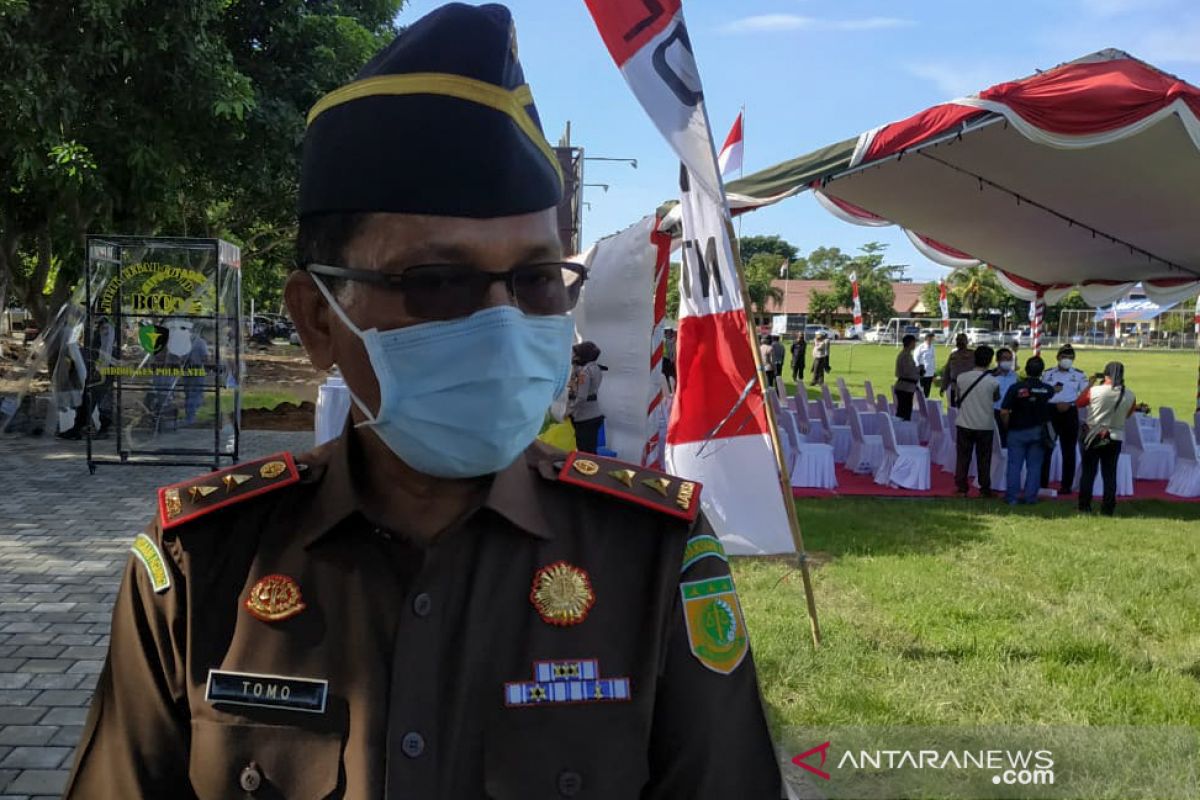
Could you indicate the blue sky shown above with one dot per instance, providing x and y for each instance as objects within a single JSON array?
[{"x": 810, "y": 73}]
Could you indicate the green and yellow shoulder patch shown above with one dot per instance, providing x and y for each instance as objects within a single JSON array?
[
  {"x": 715, "y": 627},
  {"x": 151, "y": 557}
]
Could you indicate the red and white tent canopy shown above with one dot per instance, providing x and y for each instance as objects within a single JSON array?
[{"x": 1086, "y": 175}]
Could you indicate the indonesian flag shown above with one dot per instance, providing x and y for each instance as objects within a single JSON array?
[
  {"x": 944, "y": 305},
  {"x": 1116, "y": 321},
  {"x": 730, "y": 158},
  {"x": 858, "y": 325},
  {"x": 718, "y": 431},
  {"x": 1197, "y": 313},
  {"x": 785, "y": 267}
]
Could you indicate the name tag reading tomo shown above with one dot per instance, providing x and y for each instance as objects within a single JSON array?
[{"x": 267, "y": 691}]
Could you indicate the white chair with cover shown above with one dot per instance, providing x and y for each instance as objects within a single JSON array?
[
  {"x": 935, "y": 407},
  {"x": 836, "y": 415},
  {"x": 1166, "y": 426},
  {"x": 780, "y": 389},
  {"x": 839, "y": 435},
  {"x": 1152, "y": 461},
  {"x": 903, "y": 465},
  {"x": 1196, "y": 426},
  {"x": 868, "y": 391},
  {"x": 949, "y": 454},
  {"x": 812, "y": 429},
  {"x": 999, "y": 467},
  {"x": 921, "y": 406},
  {"x": 938, "y": 440},
  {"x": 866, "y": 449},
  {"x": 809, "y": 464},
  {"x": 881, "y": 404},
  {"x": 1185, "y": 480},
  {"x": 849, "y": 401}
]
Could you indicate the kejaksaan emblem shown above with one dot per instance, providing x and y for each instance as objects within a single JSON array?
[{"x": 715, "y": 629}]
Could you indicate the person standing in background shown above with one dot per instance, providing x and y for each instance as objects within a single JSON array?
[
  {"x": 764, "y": 355},
  {"x": 584, "y": 396},
  {"x": 668, "y": 359},
  {"x": 907, "y": 375},
  {"x": 820, "y": 358},
  {"x": 960, "y": 361},
  {"x": 799, "y": 354},
  {"x": 1026, "y": 410},
  {"x": 926, "y": 358},
  {"x": 1006, "y": 376},
  {"x": 977, "y": 390},
  {"x": 778, "y": 353},
  {"x": 1068, "y": 383},
  {"x": 1108, "y": 404}
]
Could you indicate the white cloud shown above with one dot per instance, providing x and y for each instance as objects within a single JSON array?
[
  {"x": 957, "y": 80},
  {"x": 772, "y": 23}
]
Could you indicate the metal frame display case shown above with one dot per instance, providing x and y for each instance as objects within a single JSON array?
[{"x": 164, "y": 342}]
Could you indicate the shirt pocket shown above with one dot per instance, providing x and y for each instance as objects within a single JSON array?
[
  {"x": 233, "y": 760},
  {"x": 580, "y": 758}
]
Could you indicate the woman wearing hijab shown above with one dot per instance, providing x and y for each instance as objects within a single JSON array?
[
  {"x": 585, "y": 407},
  {"x": 1108, "y": 405}
]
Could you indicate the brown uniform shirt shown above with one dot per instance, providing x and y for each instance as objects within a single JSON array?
[{"x": 424, "y": 670}]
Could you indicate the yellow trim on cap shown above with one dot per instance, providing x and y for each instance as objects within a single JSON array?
[{"x": 503, "y": 100}]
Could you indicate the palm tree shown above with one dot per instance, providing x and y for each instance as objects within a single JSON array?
[{"x": 975, "y": 287}]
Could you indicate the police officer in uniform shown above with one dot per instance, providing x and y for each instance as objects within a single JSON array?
[
  {"x": 1068, "y": 382},
  {"x": 432, "y": 605}
]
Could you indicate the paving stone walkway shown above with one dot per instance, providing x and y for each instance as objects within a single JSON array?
[{"x": 64, "y": 540}]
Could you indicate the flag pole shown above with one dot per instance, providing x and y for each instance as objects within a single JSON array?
[
  {"x": 742, "y": 174},
  {"x": 785, "y": 478}
]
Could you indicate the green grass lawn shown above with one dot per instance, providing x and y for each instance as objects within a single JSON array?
[
  {"x": 1156, "y": 377},
  {"x": 957, "y": 612}
]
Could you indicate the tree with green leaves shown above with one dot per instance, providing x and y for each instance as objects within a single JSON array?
[
  {"x": 783, "y": 250},
  {"x": 976, "y": 289},
  {"x": 823, "y": 305},
  {"x": 761, "y": 272},
  {"x": 181, "y": 118},
  {"x": 825, "y": 262}
]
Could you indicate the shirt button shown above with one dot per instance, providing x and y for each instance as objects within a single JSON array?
[
  {"x": 569, "y": 783},
  {"x": 251, "y": 778},
  {"x": 413, "y": 744},
  {"x": 422, "y": 605}
]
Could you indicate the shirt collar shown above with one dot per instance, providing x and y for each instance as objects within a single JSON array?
[{"x": 515, "y": 492}]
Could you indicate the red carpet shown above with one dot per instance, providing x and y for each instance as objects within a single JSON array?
[{"x": 942, "y": 485}]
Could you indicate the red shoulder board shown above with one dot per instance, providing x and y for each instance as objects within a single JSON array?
[
  {"x": 641, "y": 485},
  {"x": 183, "y": 502}
]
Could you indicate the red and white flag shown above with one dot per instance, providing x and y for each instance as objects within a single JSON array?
[
  {"x": 785, "y": 268},
  {"x": 1197, "y": 319},
  {"x": 718, "y": 432},
  {"x": 730, "y": 157},
  {"x": 858, "y": 323},
  {"x": 944, "y": 306}
]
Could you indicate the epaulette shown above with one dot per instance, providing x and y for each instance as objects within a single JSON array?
[
  {"x": 641, "y": 485},
  {"x": 183, "y": 502}
]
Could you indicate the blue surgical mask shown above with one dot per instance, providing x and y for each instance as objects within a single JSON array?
[{"x": 464, "y": 397}]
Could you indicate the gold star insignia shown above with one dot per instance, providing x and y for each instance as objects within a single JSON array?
[
  {"x": 198, "y": 492},
  {"x": 625, "y": 476},
  {"x": 586, "y": 467},
  {"x": 537, "y": 693},
  {"x": 599, "y": 693},
  {"x": 272, "y": 469},
  {"x": 233, "y": 480},
  {"x": 659, "y": 485}
]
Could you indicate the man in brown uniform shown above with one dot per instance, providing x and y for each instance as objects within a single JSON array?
[{"x": 431, "y": 606}]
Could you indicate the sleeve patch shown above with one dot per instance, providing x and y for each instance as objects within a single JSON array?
[
  {"x": 151, "y": 557},
  {"x": 699, "y": 548},
  {"x": 715, "y": 628}
]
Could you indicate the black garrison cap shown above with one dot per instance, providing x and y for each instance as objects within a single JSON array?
[{"x": 440, "y": 122}]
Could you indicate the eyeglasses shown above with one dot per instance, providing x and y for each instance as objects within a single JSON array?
[{"x": 449, "y": 291}]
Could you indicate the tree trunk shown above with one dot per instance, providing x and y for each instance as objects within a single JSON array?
[{"x": 37, "y": 282}]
